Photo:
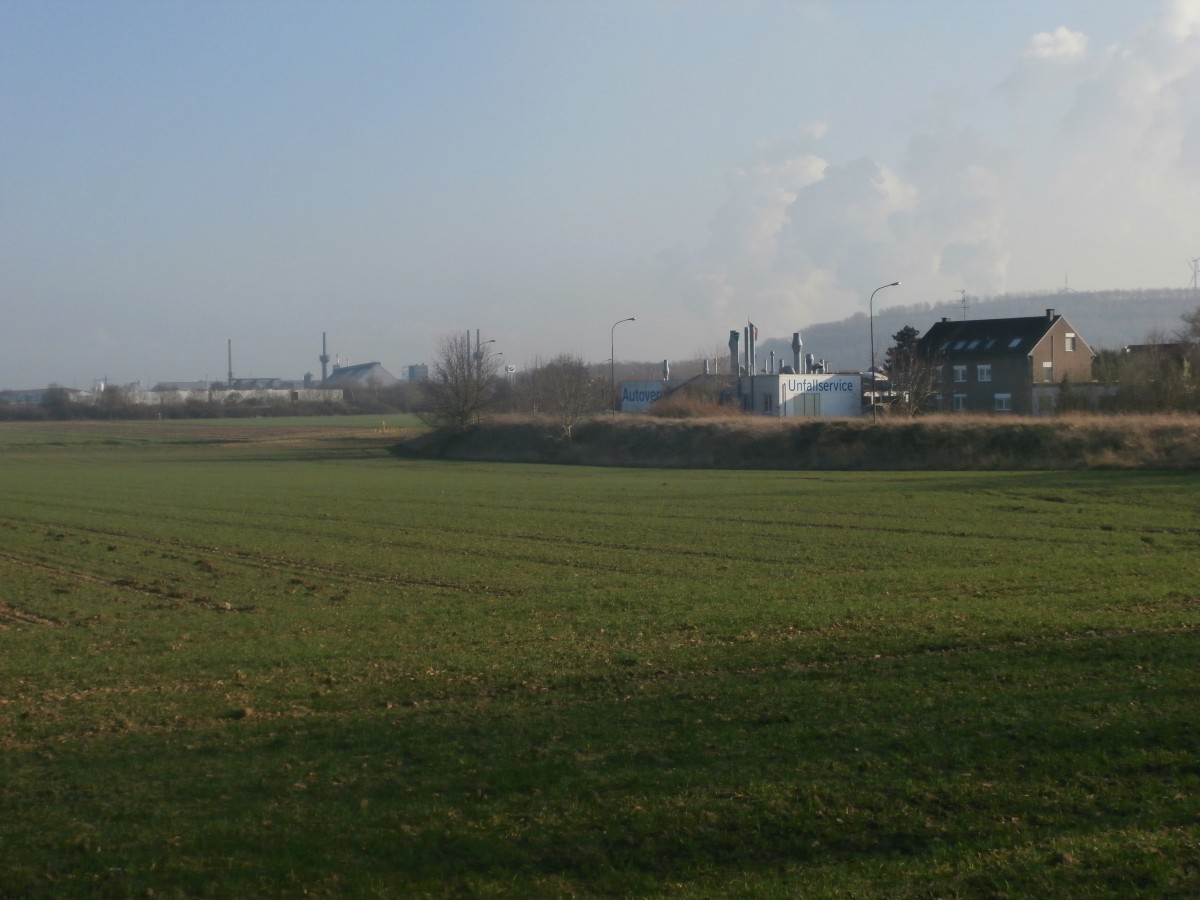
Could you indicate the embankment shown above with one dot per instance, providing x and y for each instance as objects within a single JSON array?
[{"x": 942, "y": 442}]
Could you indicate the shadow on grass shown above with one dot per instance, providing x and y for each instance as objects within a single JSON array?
[{"x": 942, "y": 769}]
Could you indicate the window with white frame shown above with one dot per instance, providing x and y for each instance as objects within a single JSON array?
[
  {"x": 1069, "y": 343},
  {"x": 1047, "y": 371},
  {"x": 983, "y": 373},
  {"x": 1004, "y": 403},
  {"x": 960, "y": 374},
  {"x": 960, "y": 402}
]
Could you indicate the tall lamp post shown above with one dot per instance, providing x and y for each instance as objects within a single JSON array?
[
  {"x": 874, "y": 406},
  {"x": 612, "y": 362}
]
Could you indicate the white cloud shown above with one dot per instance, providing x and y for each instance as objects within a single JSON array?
[
  {"x": 1096, "y": 168},
  {"x": 1061, "y": 44}
]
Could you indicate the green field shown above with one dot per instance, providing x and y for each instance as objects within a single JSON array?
[{"x": 276, "y": 659}]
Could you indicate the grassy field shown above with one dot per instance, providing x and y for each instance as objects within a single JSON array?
[{"x": 273, "y": 659}]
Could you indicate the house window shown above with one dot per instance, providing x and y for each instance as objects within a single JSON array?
[
  {"x": 960, "y": 374},
  {"x": 1004, "y": 403},
  {"x": 1014, "y": 343},
  {"x": 983, "y": 373},
  {"x": 1070, "y": 342},
  {"x": 960, "y": 402},
  {"x": 1047, "y": 371}
]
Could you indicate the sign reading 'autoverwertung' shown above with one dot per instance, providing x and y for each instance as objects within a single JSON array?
[{"x": 636, "y": 396}]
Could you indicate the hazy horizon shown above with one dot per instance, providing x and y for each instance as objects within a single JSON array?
[{"x": 177, "y": 174}]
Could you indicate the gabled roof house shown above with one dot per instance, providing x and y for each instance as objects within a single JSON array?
[{"x": 995, "y": 365}]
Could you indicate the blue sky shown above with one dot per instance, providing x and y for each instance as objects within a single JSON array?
[{"x": 176, "y": 174}]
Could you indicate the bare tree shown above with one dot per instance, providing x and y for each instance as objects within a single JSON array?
[
  {"x": 1191, "y": 321},
  {"x": 566, "y": 390},
  {"x": 462, "y": 381},
  {"x": 1159, "y": 375},
  {"x": 716, "y": 356},
  {"x": 913, "y": 376}
]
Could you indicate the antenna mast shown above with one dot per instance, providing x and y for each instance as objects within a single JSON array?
[
  {"x": 962, "y": 300},
  {"x": 1194, "y": 262}
]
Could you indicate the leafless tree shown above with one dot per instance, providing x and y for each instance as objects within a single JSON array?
[
  {"x": 565, "y": 390},
  {"x": 462, "y": 381},
  {"x": 913, "y": 375},
  {"x": 1159, "y": 375}
]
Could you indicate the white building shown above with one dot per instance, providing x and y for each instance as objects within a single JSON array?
[{"x": 790, "y": 396}]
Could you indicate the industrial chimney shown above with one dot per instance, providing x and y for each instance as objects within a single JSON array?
[
  {"x": 797, "y": 346},
  {"x": 324, "y": 360},
  {"x": 734, "y": 362}
]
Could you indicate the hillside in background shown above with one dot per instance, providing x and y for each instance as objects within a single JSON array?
[{"x": 1102, "y": 318}]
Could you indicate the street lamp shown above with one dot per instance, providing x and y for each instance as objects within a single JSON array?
[
  {"x": 874, "y": 412},
  {"x": 478, "y": 349},
  {"x": 612, "y": 362}
]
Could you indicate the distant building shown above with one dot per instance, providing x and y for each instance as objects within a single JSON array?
[
  {"x": 418, "y": 372},
  {"x": 364, "y": 375},
  {"x": 38, "y": 396},
  {"x": 1012, "y": 365}
]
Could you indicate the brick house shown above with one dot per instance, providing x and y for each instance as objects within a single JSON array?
[{"x": 997, "y": 365}]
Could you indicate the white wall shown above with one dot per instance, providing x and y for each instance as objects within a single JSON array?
[{"x": 807, "y": 396}]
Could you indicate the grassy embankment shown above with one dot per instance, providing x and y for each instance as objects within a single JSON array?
[
  {"x": 933, "y": 443},
  {"x": 285, "y": 662}
]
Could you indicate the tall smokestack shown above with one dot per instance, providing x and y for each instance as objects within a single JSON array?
[
  {"x": 797, "y": 346},
  {"x": 229, "y": 383},
  {"x": 734, "y": 362},
  {"x": 324, "y": 359}
]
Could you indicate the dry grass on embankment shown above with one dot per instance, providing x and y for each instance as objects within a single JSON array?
[{"x": 932, "y": 442}]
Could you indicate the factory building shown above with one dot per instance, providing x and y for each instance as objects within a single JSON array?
[{"x": 803, "y": 389}]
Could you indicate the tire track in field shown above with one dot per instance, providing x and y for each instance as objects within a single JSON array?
[
  {"x": 21, "y": 616},
  {"x": 121, "y": 583},
  {"x": 263, "y": 561}
]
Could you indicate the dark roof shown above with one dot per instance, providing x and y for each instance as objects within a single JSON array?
[
  {"x": 362, "y": 373},
  {"x": 1171, "y": 348},
  {"x": 986, "y": 337}
]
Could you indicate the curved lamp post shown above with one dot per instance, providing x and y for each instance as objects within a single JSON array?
[
  {"x": 874, "y": 406},
  {"x": 612, "y": 362}
]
